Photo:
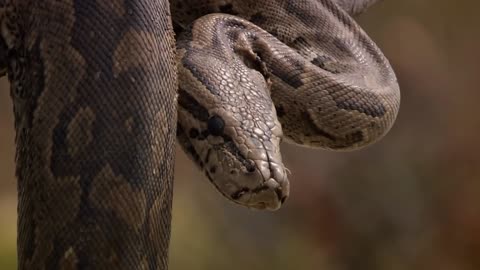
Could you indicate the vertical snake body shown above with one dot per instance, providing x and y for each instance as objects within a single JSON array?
[{"x": 93, "y": 85}]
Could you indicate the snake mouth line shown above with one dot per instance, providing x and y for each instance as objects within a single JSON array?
[
  {"x": 243, "y": 191},
  {"x": 236, "y": 196}
]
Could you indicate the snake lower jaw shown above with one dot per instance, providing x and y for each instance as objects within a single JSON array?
[
  {"x": 270, "y": 196},
  {"x": 273, "y": 191}
]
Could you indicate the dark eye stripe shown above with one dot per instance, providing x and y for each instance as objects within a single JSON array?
[{"x": 188, "y": 102}]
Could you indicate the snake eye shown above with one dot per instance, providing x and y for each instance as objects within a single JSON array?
[{"x": 215, "y": 125}]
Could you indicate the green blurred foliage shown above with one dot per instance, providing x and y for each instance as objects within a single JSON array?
[{"x": 409, "y": 202}]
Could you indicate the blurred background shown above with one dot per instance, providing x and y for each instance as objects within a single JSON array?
[{"x": 411, "y": 201}]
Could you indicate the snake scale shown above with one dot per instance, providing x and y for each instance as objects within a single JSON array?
[{"x": 94, "y": 88}]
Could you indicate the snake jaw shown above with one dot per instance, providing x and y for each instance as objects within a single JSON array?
[
  {"x": 263, "y": 186},
  {"x": 265, "y": 197},
  {"x": 270, "y": 195},
  {"x": 273, "y": 189}
]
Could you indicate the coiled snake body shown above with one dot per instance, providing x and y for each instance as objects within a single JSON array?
[
  {"x": 94, "y": 87},
  {"x": 331, "y": 88}
]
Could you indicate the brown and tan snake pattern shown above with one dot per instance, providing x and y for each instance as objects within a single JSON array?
[
  {"x": 93, "y": 83},
  {"x": 331, "y": 88}
]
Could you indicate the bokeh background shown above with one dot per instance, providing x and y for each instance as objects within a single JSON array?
[{"x": 411, "y": 201}]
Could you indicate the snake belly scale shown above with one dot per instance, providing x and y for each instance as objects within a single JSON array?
[{"x": 331, "y": 88}]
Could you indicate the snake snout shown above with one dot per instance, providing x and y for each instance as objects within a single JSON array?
[
  {"x": 274, "y": 190},
  {"x": 268, "y": 199},
  {"x": 269, "y": 195}
]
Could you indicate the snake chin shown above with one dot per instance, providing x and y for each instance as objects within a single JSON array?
[
  {"x": 268, "y": 196},
  {"x": 258, "y": 184}
]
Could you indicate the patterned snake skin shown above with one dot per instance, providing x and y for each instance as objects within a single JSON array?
[
  {"x": 331, "y": 88},
  {"x": 93, "y": 85},
  {"x": 94, "y": 88}
]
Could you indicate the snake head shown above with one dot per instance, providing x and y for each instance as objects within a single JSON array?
[
  {"x": 228, "y": 125},
  {"x": 243, "y": 163}
]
